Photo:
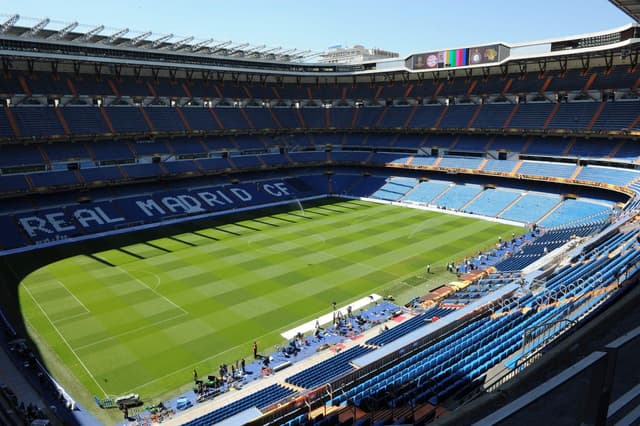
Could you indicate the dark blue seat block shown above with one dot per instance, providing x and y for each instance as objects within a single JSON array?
[
  {"x": 200, "y": 118},
  {"x": 37, "y": 121},
  {"x": 10, "y": 235},
  {"x": 127, "y": 119},
  {"x": 84, "y": 120},
  {"x": 165, "y": 119}
]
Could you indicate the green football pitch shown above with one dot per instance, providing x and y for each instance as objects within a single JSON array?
[{"x": 139, "y": 318}]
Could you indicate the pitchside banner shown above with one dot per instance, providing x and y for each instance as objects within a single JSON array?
[
  {"x": 458, "y": 57},
  {"x": 61, "y": 223}
]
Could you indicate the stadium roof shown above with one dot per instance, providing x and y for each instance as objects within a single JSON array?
[
  {"x": 91, "y": 36},
  {"x": 630, "y": 7},
  {"x": 44, "y": 40}
]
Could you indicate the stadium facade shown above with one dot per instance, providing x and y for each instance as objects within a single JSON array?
[{"x": 111, "y": 134}]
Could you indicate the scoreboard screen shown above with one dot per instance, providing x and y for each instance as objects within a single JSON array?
[{"x": 458, "y": 57}]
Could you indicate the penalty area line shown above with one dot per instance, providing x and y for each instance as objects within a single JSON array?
[
  {"x": 135, "y": 330},
  {"x": 74, "y": 296},
  {"x": 65, "y": 341},
  {"x": 154, "y": 291}
]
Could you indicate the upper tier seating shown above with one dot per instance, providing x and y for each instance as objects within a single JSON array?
[
  {"x": 574, "y": 115},
  {"x": 127, "y": 119},
  {"x": 84, "y": 120},
  {"x": 368, "y": 117},
  {"x": 231, "y": 118},
  {"x": 569, "y": 80},
  {"x": 5, "y": 127},
  {"x": 166, "y": 87},
  {"x": 44, "y": 121},
  {"x": 396, "y": 117},
  {"x": 200, "y": 118},
  {"x": 288, "y": 118},
  {"x": 619, "y": 77},
  {"x": 341, "y": 117},
  {"x": 37, "y": 121},
  {"x": 261, "y": 118},
  {"x": 531, "y": 116},
  {"x": 165, "y": 119},
  {"x": 314, "y": 118},
  {"x": 44, "y": 83},
  {"x": 426, "y": 116},
  {"x": 617, "y": 115},
  {"x": 132, "y": 86},
  {"x": 92, "y": 86},
  {"x": 458, "y": 116},
  {"x": 492, "y": 116}
]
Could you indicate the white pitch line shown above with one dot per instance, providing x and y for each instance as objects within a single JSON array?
[
  {"x": 65, "y": 340},
  {"x": 124, "y": 333},
  {"x": 81, "y": 314},
  {"x": 158, "y": 280},
  {"x": 151, "y": 289},
  {"x": 195, "y": 364},
  {"x": 74, "y": 296}
]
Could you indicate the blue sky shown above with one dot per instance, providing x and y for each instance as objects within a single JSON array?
[{"x": 402, "y": 26}]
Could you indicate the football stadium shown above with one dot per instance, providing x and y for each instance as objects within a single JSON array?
[{"x": 200, "y": 232}]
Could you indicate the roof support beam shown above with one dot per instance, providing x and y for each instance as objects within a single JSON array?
[
  {"x": 89, "y": 34},
  {"x": 287, "y": 52},
  {"x": 157, "y": 42},
  {"x": 38, "y": 27},
  {"x": 64, "y": 31},
  {"x": 113, "y": 37},
  {"x": 584, "y": 60},
  {"x": 177, "y": 45},
  {"x": 9, "y": 23},
  {"x": 633, "y": 58},
  {"x": 562, "y": 62},
  {"x": 220, "y": 45},
  {"x": 200, "y": 45},
  {"x": 608, "y": 59},
  {"x": 139, "y": 38},
  {"x": 273, "y": 50},
  {"x": 542, "y": 66}
]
